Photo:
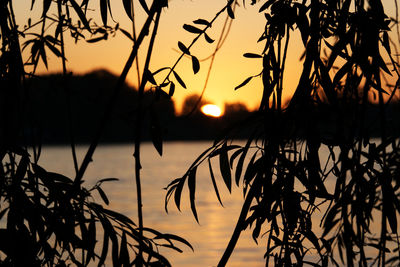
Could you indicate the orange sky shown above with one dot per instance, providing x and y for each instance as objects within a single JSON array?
[{"x": 229, "y": 70}]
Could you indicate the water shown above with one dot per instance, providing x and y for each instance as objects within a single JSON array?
[{"x": 209, "y": 238}]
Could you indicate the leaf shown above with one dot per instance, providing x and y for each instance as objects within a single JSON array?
[
  {"x": 123, "y": 254},
  {"x": 103, "y": 195},
  {"x": 313, "y": 238},
  {"x": 178, "y": 192},
  {"x": 382, "y": 64},
  {"x": 180, "y": 81},
  {"x": 224, "y": 167},
  {"x": 239, "y": 165},
  {"x": 104, "y": 250},
  {"x": 303, "y": 25},
  {"x": 265, "y": 5},
  {"x": 3, "y": 212},
  {"x": 97, "y": 39},
  {"x": 192, "y": 191},
  {"x": 46, "y": 6},
  {"x": 208, "y": 39},
  {"x": 128, "y": 8},
  {"x": 202, "y": 22},
  {"x": 126, "y": 33},
  {"x": 42, "y": 53},
  {"x": 144, "y": 5},
  {"x": 171, "y": 89},
  {"x": 156, "y": 132},
  {"x": 81, "y": 15},
  {"x": 214, "y": 182},
  {"x": 341, "y": 72},
  {"x": 118, "y": 216},
  {"x": 192, "y": 29},
  {"x": 195, "y": 64},
  {"x": 385, "y": 42},
  {"x": 252, "y": 169},
  {"x": 183, "y": 48},
  {"x": 22, "y": 168},
  {"x": 159, "y": 70},
  {"x": 53, "y": 49},
  {"x": 149, "y": 76},
  {"x": 252, "y": 55},
  {"x": 91, "y": 239},
  {"x": 174, "y": 237},
  {"x": 230, "y": 12},
  {"x": 244, "y": 82},
  {"x": 103, "y": 11},
  {"x": 108, "y": 180}
]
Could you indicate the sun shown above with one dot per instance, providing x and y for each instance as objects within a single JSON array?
[{"x": 211, "y": 110}]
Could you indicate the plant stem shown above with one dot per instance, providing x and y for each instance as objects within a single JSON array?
[
  {"x": 67, "y": 90},
  {"x": 239, "y": 225},
  {"x": 139, "y": 120}
]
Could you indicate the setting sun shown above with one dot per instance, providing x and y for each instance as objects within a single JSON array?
[{"x": 211, "y": 110}]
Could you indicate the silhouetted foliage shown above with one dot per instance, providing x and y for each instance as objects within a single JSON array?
[
  {"x": 48, "y": 219},
  {"x": 286, "y": 181},
  {"x": 349, "y": 53}
]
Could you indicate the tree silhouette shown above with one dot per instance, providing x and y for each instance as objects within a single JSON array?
[{"x": 192, "y": 104}]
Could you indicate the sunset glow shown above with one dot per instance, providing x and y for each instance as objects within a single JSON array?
[{"x": 211, "y": 110}]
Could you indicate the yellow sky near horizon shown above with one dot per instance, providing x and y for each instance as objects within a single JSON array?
[{"x": 230, "y": 67}]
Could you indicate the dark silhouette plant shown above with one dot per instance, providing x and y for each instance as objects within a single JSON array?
[
  {"x": 47, "y": 218},
  {"x": 349, "y": 56}
]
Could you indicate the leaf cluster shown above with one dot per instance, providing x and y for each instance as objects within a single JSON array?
[
  {"x": 47, "y": 219},
  {"x": 281, "y": 168}
]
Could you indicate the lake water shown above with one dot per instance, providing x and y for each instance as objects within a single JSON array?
[{"x": 209, "y": 238}]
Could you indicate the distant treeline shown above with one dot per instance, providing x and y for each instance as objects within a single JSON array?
[{"x": 51, "y": 98}]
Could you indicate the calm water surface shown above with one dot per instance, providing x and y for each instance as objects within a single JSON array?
[{"x": 209, "y": 238}]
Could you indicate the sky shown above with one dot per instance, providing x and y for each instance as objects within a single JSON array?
[{"x": 230, "y": 68}]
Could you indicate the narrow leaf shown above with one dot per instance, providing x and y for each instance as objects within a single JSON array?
[
  {"x": 195, "y": 64},
  {"x": 208, "y": 39},
  {"x": 239, "y": 166},
  {"x": 225, "y": 168},
  {"x": 104, "y": 250},
  {"x": 108, "y": 180},
  {"x": 126, "y": 33},
  {"x": 171, "y": 89},
  {"x": 230, "y": 12},
  {"x": 192, "y": 29},
  {"x": 156, "y": 132},
  {"x": 123, "y": 254},
  {"x": 144, "y": 5},
  {"x": 149, "y": 76},
  {"x": 201, "y": 22},
  {"x": 214, "y": 182},
  {"x": 183, "y": 48},
  {"x": 81, "y": 15},
  {"x": 103, "y": 11},
  {"x": 46, "y": 6},
  {"x": 192, "y": 191},
  {"x": 178, "y": 192},
  {"x": 97, "y": 39},
  {"x": 180, "y": 81},
  {"x": 128, "y": 8},
  {"x": 244, "y": 82},
  {"x": 252, "y": 55},
  {"x": 265, "y": 5},
  {"x": 103, "y": 195}
]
